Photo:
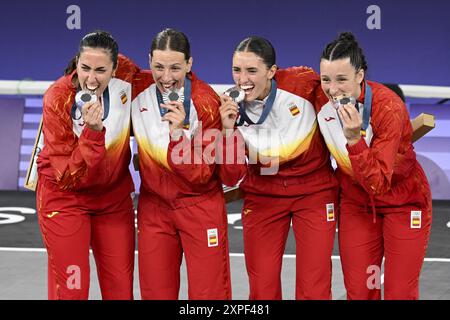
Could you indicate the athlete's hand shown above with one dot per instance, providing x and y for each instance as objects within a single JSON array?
[
  {"x": 92, "y": 113},
  {"x": 351, "y": 122},
  {"x": 175, "y": 115},
  {"x": 228, "y": 112}
]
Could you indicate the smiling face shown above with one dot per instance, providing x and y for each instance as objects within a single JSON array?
[
  {"x": 169, "y": 69},
  {"x": 252, "y": 75},
  {"x": 94, "y": 69},
  {"x": 340, "y": 79}
]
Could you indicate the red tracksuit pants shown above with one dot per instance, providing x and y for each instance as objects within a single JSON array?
[
  {"x": 362, "y": 244},
  {"x": 266, "y": 222},
  {"x": 200, "y": 232},
  {"x": 71, "y": 223}
]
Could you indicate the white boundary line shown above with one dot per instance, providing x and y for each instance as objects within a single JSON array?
[
  {"x": 339, "y": 258},
  {"x": 22, "y": 249},
  {"x": 11, "y": 249}
]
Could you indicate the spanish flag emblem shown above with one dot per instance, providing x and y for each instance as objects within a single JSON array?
[
  {"x": 416, "y": 219},
  {"x": 123, "y": 97},
  {"x": 330, "y": 211},
  {"x": 213, "y": 238},
  {"x": 294, "y": 110}
]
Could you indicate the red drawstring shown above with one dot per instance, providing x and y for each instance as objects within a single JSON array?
[{"x": 372, "y": 204}]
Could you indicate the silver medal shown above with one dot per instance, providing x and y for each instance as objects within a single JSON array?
[
  {"x": 236, "y": 94},
  {"x": 345, "y": 100},
  {"x": 83, "y": 97},
  {"x": 173, "y": 95}
]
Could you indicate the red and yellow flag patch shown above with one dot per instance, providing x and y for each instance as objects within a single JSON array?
[
  {"x": 416, "y": 219},
  {"x": 294, "y": 110},
  {"x": 330, "y": 211},
  {"x": 123, "y": 97},
  {"x": 213, "y": 237}
]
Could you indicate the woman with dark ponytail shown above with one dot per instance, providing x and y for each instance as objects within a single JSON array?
[
  {"x": 84, "y": 185},
  {"x": 288, "y": 177},
  {"x": 385, "y": 198}
]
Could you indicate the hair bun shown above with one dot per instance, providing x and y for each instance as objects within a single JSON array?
[{"x": 346, "y": 37}]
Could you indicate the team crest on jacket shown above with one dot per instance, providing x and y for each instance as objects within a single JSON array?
[
  {"x": 123, "y": 97},
  {"x": 294, "y": 109},
  {"x": 213, "y": 237}
]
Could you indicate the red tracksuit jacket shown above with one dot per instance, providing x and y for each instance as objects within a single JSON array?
[
  {"x": 76, "y": 158},
  {"x": 295, "y": 140},
  {"x": 175, "y": 185},
  {"x": 381, "y": 166}
]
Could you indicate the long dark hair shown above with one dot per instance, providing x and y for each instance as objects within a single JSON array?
[{"x": 97, "y": 39}]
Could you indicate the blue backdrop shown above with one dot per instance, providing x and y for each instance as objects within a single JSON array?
[{"x": 412, "y": 46}]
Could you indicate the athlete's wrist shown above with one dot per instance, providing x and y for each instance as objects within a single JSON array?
[
  {"x": 227, "y": 132},
  {"x": 176, "y": 134},
  {"x": 352, "y": 142}
]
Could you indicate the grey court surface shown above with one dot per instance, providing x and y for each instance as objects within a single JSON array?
[{"x": 23, "y": 260}]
